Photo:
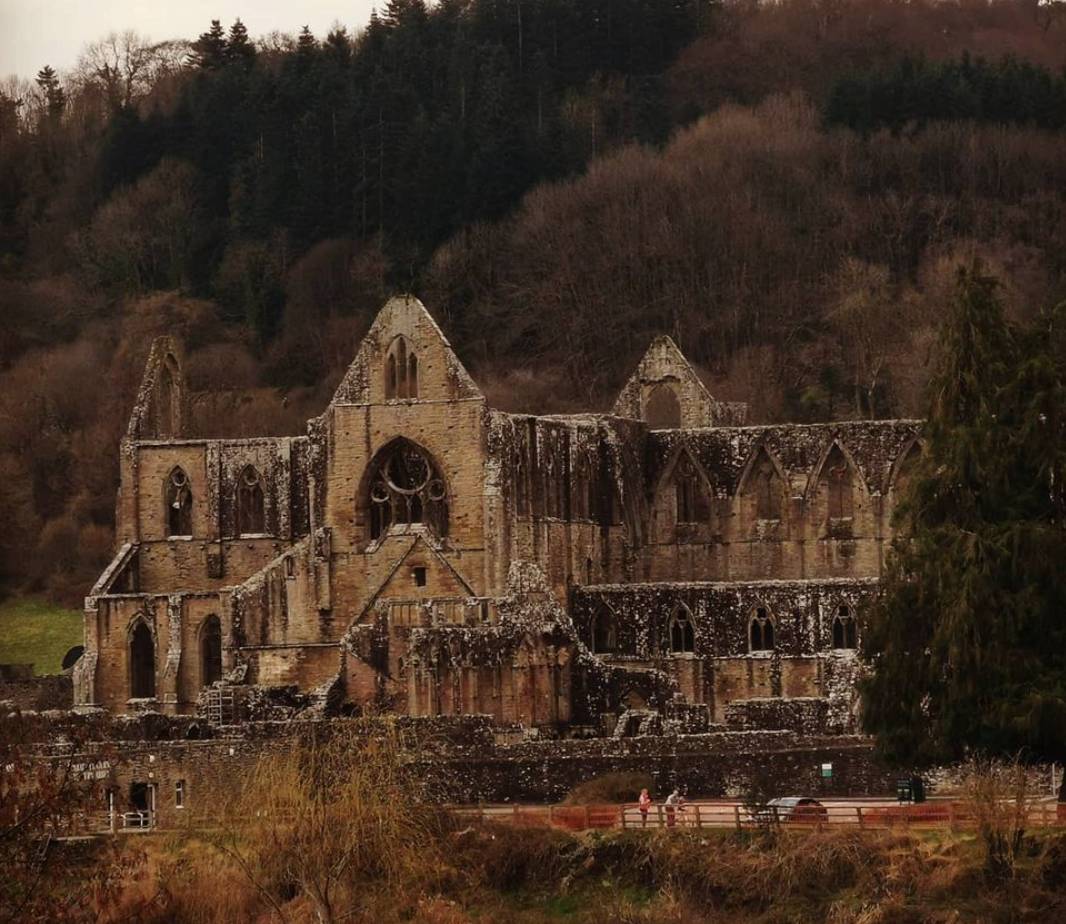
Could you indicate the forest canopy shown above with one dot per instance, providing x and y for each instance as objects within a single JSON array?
[{"x": 786, "y": 188}]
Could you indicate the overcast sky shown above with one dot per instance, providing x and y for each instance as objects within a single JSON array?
[{"x": 38, "y": 32}]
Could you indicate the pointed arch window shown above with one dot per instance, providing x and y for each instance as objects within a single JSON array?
[
  {"x": 692, "y": 504},
  {"x": 210, "y": 651},
  {"x": 251, "y": 507},
  {"x": 761, "y": 631},
  {"x": 401, "y": 370},
  {"x": 845, "y": 631},
  {"x": 837, "y": 484},
  {"x": 406, "y": 487},
  {"x": 682, "y": 633},
  {"x": 765, "y": 486},
  {"x": 142, "y": 662},
  {"x": 662, "y": 410},
  {"x": 604, "y": 631},
  {"x": 179, "y": 504}
]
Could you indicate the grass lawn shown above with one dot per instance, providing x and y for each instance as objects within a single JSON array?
[{"x": 35, "y": 632}]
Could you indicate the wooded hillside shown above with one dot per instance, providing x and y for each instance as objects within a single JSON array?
[{"x": 784, "y": 187}]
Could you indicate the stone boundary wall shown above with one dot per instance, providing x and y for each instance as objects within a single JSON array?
[{"x": 472, "y": 763}]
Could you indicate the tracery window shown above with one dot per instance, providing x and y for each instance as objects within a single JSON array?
[
  {"x": 142, "y": 662},
  {"x": 691, "y": 502},
  {"x": 761, "y": 631},
  {"x": 251, "y": 515},
  {"x": 179, "y": 504},
  {"x": 682, "y": 634},
  {"x": 837, "y": 484},
  {"x": 845, "y": 631},
  {"x": 210, "y": 651},
  {"x": 406, "y": 487},
  {"x": 401, "y": 370}
]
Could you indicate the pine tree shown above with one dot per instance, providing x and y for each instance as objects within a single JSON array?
[
  {"x": 54, "y": 95},
  {"x": 968, "y": 641},
  {"x": 305, "y": 43},
  {"x": 240, "y": 51},
  {"x": 209, "y": 50}
]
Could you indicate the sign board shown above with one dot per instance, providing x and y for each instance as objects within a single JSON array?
[{"x": 827, "y": 771}]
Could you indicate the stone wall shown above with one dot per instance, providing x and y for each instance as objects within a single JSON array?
[{"x": 23, "y": 690}]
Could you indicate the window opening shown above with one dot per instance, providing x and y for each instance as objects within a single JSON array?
[
  {"x": 682, "y": 634},
  {"x": 406, "y": 488},
  {"x": 662, "y": 410},
  {"x": 211, "y": 651},
  {"x": 761, "y": 637},
  {"x": 179, "y": 794},
  {"x": 420, "y": 577},
  {"x": 179, "y": 504},
  {"x": 604, "y": 632},
  {"x": 845, "y": 634},
  {"x": 251, "y": 516},
  {"x": 142, "y": 663}
]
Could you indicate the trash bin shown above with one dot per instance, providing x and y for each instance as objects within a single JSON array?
[{"x": 904, "y": 793}]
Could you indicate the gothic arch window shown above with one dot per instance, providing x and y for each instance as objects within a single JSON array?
[
  {"x": 251, "y": 507},
  {"x": 401, "y": 370},
  {"x": 662, "y": 410},
  {"x": 406, "y": 487},
  {"x": 692, "y": 504},
  {"x": 837, "y": 484},
  {"x": 682, "y": 634},
  {"x": 142, "y": 662},
  {"x": 179, "y": 504},
  {"x": 845, "y": 631},
  {"x": 761, "y": 631},
  {"x": 765, "y": 488},
  {"x": 210, "y": 651},
  {"x": 604, "y": 631}
]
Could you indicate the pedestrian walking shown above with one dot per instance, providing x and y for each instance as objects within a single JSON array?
[{"x": 644, "y": 804}]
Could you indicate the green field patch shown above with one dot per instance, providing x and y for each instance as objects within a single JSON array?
[{"x": 33, "y": 631}]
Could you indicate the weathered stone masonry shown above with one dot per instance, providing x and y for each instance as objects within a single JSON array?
[{"x": 662, "y": 568}]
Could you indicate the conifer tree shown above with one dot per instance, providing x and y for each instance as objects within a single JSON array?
[
  {"x": 239, "y": 48},
  {"x": 968, "y": 640},
  {"x": 55, "y": 96},
  {"x": 209, "y": 50}
]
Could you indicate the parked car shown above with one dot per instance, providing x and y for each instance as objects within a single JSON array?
[
  {"x": 792, "y": 810},
  {"x": 800, "y": 810}
]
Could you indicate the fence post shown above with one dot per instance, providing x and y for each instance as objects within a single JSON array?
[
  {"x": 858, "y": 812},
  {"x": 515, "y": 818},
  {"x": 736, "y": 815},
  {"x": 622, "y": 816},
  {"x": 699, "y": 818}
]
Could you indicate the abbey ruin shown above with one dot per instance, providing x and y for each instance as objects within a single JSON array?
[{"x": 663, "y": 567}]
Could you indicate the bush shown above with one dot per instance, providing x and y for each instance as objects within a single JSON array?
[{"x": 611, "y": 789}]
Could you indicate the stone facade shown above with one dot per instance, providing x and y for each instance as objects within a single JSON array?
[{"x": 661, "y": 568}]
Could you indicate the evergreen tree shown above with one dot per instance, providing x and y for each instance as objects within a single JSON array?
[
  {"x": 968, "y": 641},
  {"x": 305, "y": 43},
  {"x": 240, "y": 51},
  {"x": 54, "y": 95},
  {"x": 209, "y": 50}
]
